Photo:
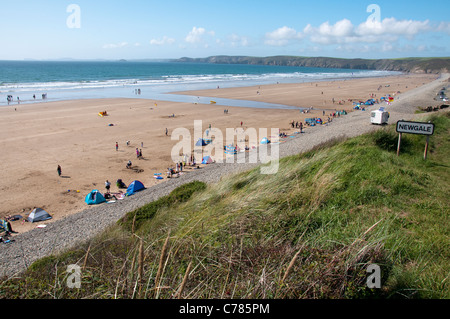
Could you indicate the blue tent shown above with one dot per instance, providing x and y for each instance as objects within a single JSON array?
[
  {"x": 207, "y": 160},
  {"x": 265, "y": 141},
  {"x": 134, "y": 187},
  {"x": 200, "y": 142},
  {"x": 94, "y": 198},
  {"x": 230, "y": 149}
]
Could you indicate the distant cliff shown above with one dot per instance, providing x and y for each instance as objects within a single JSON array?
[{"x": 412, "y": 65}]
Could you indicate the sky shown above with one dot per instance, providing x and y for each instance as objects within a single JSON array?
[{"x": 137, "y": 29}]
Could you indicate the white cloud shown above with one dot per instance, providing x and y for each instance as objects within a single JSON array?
[
  {"x": 341, "y": 32},
  {"x": 163, "y": 41},
  {"x": 343, "y": 28},
  {"x": 370, "y": 31},
  {"x": 392, "y": 26},
  {"x": 196, "y": 35},
  {"x": 115, "y": 45},
  {"x": 282, "y": 36}
]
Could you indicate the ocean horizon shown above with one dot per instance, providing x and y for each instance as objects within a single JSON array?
[{"x": 27, "y": 81}]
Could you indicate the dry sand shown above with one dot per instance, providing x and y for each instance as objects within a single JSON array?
[{"x": 38, "y": 137}]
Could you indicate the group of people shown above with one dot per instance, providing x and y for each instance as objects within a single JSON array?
[
  {"x": 179, "y": 166},
  {"x": 171, "y": 171},
  {"x": 296, "y": 124},
  {"x": 10, "y": 98},
  {"x": 108, "y": 194},
  {"x": 138, "y": 153}
]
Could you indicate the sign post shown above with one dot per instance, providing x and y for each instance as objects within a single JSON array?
[
  {"x": 426, "y": 148},
  {"x": 414, "y": 128}
]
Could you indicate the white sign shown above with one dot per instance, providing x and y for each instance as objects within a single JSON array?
[{"x": 415, "y": 128}]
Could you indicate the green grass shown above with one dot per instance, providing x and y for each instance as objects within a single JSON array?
[{"x": 309, "y": 231}]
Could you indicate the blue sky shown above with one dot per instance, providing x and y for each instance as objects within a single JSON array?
[{"x": 136, "y": 29}]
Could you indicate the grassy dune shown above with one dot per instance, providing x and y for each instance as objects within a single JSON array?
[{"x": 309, "y": 231}]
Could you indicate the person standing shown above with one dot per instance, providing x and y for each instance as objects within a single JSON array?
[
  {"x": 59, "y": 170},
  {"x": 107, "y": 186},
  {"x": 117, "y": 146}
]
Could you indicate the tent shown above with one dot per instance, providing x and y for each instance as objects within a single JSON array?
[
  {"x": 265, "y": 141},
  {"x": 201, "y": 142},
  {"x": 38, "y": 215},
  {"x": 134, "y": 187},
  {"x": 207, "y": 160},
  {"x": 94, "y": 198},
  {"x": 230, "y": 149}
]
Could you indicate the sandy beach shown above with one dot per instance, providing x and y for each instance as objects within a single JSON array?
[{"x": 38, "y": 137}]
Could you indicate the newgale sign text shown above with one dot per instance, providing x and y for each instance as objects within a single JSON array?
[{"x": 415, "y": 128}]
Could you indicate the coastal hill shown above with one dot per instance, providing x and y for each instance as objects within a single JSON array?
[{"x": 411, "y": 65}]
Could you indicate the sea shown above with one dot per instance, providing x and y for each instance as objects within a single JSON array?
[{"x": 43, "y": 81}]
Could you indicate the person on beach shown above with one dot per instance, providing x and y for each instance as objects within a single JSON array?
[
  {"x": 140, "y": 153},
  {"x": 167, "y": 131},
  {"x": 137, "y": 153},
  {"x": 117, "y": 146},
  {"x": 5, "y": 225},
  {"x": 107, "y": 186},
  {"x": 59, "y": 170},
  {"x": 129, "y": 164}
]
